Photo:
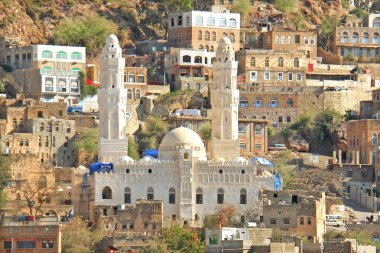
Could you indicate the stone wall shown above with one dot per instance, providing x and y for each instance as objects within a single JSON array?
[{"x": 364, "y": 199}]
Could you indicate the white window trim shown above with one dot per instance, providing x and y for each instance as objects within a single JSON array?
[
  {"x": 299, "y": 74},
  {"x": 278, "y": 76},
  {"x": 250, "y": 75},
  {"x": 268, "y": 75}
]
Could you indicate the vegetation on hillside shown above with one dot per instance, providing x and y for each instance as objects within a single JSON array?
[
  {"x": 153, "y": 131},
  {"x": 181, "y": 99},
  {"x": 133, "y": 149},
  {"x": 5, "y": 163}
]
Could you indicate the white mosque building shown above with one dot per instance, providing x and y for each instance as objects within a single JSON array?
[{"x": 189, "y": 185}]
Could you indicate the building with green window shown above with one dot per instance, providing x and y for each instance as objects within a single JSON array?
[{"x": 47, "y": 72}]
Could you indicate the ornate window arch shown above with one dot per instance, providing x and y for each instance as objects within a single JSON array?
[
  {"x": 127, "y": 195},
  {"x": 106, "y": 193},
  {"x": 243, "y": 196},
  {"x": 220, "y": 196}
]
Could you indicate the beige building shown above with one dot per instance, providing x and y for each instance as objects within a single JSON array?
[
  {"x": 295, "y": 212},
  {"x": 203, "y": 30},
  {"x": 47, "y": 72},
  {"x": 272, "y": 67}
]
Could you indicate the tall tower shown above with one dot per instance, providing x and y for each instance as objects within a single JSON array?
[
  {"x": 112, "y": 100},
  {"x": 224, "y": 103}
]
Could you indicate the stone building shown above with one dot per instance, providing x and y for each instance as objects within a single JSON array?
[
  {"x": 182, "y": 177},
  {"x": 372, "y": 230},
  {"x": 295, "y": 212},
  {"x": 38, "y": 128},
  {"x": 144, "y": 218},
  {"x": 203, "y": 30},
  {"x": 19, "y": 235},
  {"x": 273, "y": 67},
  {"x": 189, "y": 69},
  {"x": 47, "y": 72},
  {"x": 112, "y": 95},
  {"x": 358, "y": 38}
]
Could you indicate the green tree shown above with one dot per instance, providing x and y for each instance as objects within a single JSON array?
[
  {"x": 5, "y": 163},
  {"x": 286, "y": 6},
  {"x": 298, "y": 20},
  {"x": 225, "y": 216},
  {"x": 86, "y": 90},
  {"x": 87, "y": 142},
  {"x": 327, "y": 29},
  {"x": 359, "y": 12},
  {"x": 78, "y": 238},
  {"x": 90, "y": 32},
  {"x": 183, "y": 98},
  {"x": 332, "y": 235},
  {"x": 270, "y": 131},
  {"x": 154, "y": 130},
  {"x": 205, "y": 132},
  {"x": 132, "y": 149},
  {"x": 242, "y": 7},
  {"x": 180, "y": 239},
  {"x": 324, "y": 125},
  {"x": 156, "y": 247}
]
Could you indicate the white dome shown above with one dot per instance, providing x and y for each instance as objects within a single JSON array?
[
  {"x": 125, "y": 159},
  {"x": 112, "y": 39},
  {"x": 181, "y": 143},
  {"x": 225, "y": 41},
  {"x": 241, "y": 160},
  {"x": 147, "y": 158}
]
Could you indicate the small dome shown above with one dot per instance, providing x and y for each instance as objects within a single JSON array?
[
  {"x": 241, "y": 160},
  {"x": 225, "y": 41},
  {"x": 147, "y": 158},
  {"x": 181, "y": 135},
  {"x": 125, "y": 159},
  {"x": 112, "y": 39}
]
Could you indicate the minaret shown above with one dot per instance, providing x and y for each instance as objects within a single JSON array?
[
  {"x": 112, "y": 100},
  {"x": 224, "y": 103}
]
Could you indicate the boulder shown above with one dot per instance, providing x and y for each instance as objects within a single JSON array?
[{"x": 296, "y": 142}]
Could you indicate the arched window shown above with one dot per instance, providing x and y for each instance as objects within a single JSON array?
[
  {"x": 355, "y": 38},
  {"x": 46, "y": 70},
  {"x": 312, "y": 41},
  {"x": 46, "y": 141},
  {"x": 199, "y": 20},
  {"x": 14, "y": 122},
  {"x": 210, "y": 21},
  {"x": 171, "y": 195},
  {"x": 242, "y": 128},
  {"x": 220, "y": 196},
  {"x": 213, "y": 38},
  {"x": 375, "y": 38},
  {"x": 27, "y": 143},
  {"x": 282, "y": 39},
  {"x": 42, "y": 127},
  {"x": 258, "y": 103},
  {"x": 232, "y": 22},
  {"x": 150, "y": 194},
  {"x": 224, "y": 34},
  {"x": 129, "y": 93},
  {"x": 276, "y": 40},
  {"x": 127, "y": 195},
  {"x": 68, "y": 128},
  {"x": 365, "y": 38},
  {"x": 266, "y": 62},
  {"x": 61, "y": 55},
  {"x": 252, "y": 62},
  {"x": 374, "y": 138},
  {"x": 273, "y": 103},
  {"x": 212, "y": 50},
  {"x": 207, "y": 36},
  {"x": 305, "y": 40},
  {"x": 243, "y": 196},
  {"x": 223, "y": 22},
  {"x": 289, "y": 40},
  {"x": 199, "y": 35},
  {"x": 280, "y": 62},
  {"x": 289, "y": 102},
  {"x": 137, "y": 94},
  {"x": 76, "y": 56},
  {"x": 42, "y": 182},
  {"x": 296, "y": 63},
  {"x": 21, "y": 142},
  {"x": 106, "y": 193},
  {"x": 258, "y": 129},
  {"x": 199, "y": 196},
  {"x": 75, "y": 71},
  {"x": 46, "y": 54},
  {"x": 308, "y": 54},
  {"x": 39, "y": 141},
  {"x": 232, "y": 37},
  {"x": 66, "y": 144},
  {"x": 186, "y": 58},
  {"x": 198, "y": 59}
]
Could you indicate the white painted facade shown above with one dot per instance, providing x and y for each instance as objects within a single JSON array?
[
  {"x": 222, "y": 20},
  {"x": 112, "y": 100}
]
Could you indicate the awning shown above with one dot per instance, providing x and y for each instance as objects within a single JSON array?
[{"x": 262, "y": 161}]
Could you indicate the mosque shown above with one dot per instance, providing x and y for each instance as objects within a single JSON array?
[{"x": 189, "y": 185}]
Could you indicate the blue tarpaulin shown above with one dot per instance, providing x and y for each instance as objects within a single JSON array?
[
  {"x": 151, "y": 152},
  {"x": 100, "y": 167},
  {"x": 262, "y": 161}
]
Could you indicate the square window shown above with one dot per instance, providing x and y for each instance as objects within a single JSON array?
[
  {"x": 280, "y": 76},
  {"x": 273, "y": 221},
  {"x": 290, "y": 76},
  {"x": 286, "y": 221},
  {"x": 299, "y": 76},
  {"x": 253, "y": 76},
  {"x": 302, "y": 221},
  {"x": 308, "y": 220},
  {"x": 266, "y": 75}
]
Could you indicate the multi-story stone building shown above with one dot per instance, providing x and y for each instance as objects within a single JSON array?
[
  {"x": 37, "y": 128},
  {"x": 189, "y": 69},
  {"x": 18, "y": 235},
  {"x": 295, "y": 212},
  {"x": 203, "y": 30},
  {"x": 358, "y": 38},
  {"x": 47, "y": 72},
  {"x": 273, "y": 67}
]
